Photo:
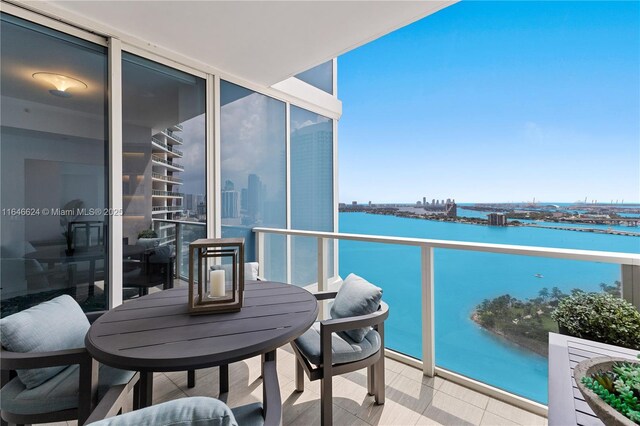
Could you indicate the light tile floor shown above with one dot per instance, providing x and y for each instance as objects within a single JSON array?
[{"x": 411, "y": 398}]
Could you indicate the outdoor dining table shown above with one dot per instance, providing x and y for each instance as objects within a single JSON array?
[{"x": 156, "y": 333}]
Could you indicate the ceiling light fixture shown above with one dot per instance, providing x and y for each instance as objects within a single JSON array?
[{"x": 61, "y": 83}]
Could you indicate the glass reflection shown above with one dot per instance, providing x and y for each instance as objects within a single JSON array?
[
  {"x": 54, "y": 168},
  {"x": 311, "y": 189},
  {"x": 320, "y": 76},
  {"x": 163, "y": 172},
  {"x": 253, "y": 171}
]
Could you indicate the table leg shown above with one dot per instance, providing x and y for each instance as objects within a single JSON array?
[
  {"x": 224, "y": 378},
  {"x": 146, "y": 389}
]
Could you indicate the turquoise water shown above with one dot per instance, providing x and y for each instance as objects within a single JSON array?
[{"x": 464, "y": 279}]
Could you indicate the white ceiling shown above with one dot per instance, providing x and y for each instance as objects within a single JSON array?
[{"x": 261, "y": 41}]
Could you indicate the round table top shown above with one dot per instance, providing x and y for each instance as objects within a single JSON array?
[{"x": 157, "y": 333}]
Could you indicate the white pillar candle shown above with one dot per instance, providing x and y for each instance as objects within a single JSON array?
[{"x": 216, "y": 283}]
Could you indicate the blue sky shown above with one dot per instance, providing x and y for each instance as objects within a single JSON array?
[{"x": 496, "y": 101}]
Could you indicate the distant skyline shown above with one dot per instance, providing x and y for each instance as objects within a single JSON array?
[{"x": 496, "y": 102}]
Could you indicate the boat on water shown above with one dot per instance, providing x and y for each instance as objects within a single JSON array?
[{"x": 539, "y": 276}]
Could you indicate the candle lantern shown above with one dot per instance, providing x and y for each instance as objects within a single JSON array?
[{"x": 216, "y": 275}]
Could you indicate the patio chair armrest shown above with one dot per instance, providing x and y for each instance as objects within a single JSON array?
[
  {"x": 114, "y": 401},
  {"x": 325, "y": 295},
  {"x": 343, "y": 324},
  {"x": 272, "y": 400},
  {"x": 26, "y": 360}
]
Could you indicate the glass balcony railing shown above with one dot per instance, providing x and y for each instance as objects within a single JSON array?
[
  {"x": 167, "y": 208},
  {"x": 160, "y": 193},
  {"x": 159, "y": 159},
  {"x": 165, "y": 178},
  {"x": 173, "y": 136},
  {"x": 478, "y": 310},
  {"x": 166, "y": 147}
]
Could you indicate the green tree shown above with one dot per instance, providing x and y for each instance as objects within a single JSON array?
[
  {"x": 556, "y": 293},
  {"x": 544, "y": 293}
]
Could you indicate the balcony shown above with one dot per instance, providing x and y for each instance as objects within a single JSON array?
[
  {"x": 163, "y": 147},
  {"x": 159, "y": 177},
  {"x": 172, "y": 139},
  {"x": 159, "y": 161},
  {"x": 411, "y": 397},
  {"x": 166, "y": 209},
  {"x": 417, "y": 331},
  {"x": 421, "y": 305},
  {"x": 166, "y": 194}
]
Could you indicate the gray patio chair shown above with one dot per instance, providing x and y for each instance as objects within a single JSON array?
[
  {"x": 47, "y": 374},
  {"x": 345, "y": 343},
  {"x": 196, "y": 410},
  {"x": 155, "y": 269}
]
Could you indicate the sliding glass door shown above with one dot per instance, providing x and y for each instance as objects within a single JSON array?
[
  {"x": 54, "y": 167},
  {"x": 163, "y": 169}
]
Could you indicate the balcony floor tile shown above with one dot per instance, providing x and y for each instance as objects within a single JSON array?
[{"x": 411, "y": 398}]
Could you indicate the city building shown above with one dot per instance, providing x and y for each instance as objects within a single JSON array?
[
  {"x": 497, "y": 219},
  {"x": 230, "y": 204}
]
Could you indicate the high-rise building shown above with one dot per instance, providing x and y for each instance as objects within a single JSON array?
[
  {"x": 424, "y": 201},
  {"x": 200, "y": 199},
  {"x": 497, "y": 219},
  {"x": 230, "y": 204},
  {"x": 166, "y": 200},
  {"x": 255, "y": 198},
  {"x": 189, "y": 202},
  {"x": 312, "y": 166},
  {"x": 244, "y": 199}
]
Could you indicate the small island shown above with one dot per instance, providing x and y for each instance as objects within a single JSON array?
[{"x": 527, "y": 323}]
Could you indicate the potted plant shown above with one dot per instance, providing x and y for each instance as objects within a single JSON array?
[
  {"x": 611, "y": 387},
  {"x": 148, "y": 233},
  {"x": 600, "y": 317},
  {"x": 148, "y": 238}
]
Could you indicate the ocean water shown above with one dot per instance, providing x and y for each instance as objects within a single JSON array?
[{"x": 464, "y": 279}]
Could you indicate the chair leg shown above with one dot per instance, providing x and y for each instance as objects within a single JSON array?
[
  {"x": 299, "y": 376},
  {"x": 326, "y": 401},
  {"x": 191, "y": 379},
  {"x": 378, "y": 376},
  {"x": 371, "y": 383},
  {"x": 136, "y": 396},
  {"x": 224, "y": 378}
]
